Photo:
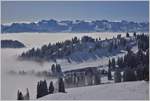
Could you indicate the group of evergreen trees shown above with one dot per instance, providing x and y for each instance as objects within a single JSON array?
[
  {"x": 135, "y": 66},
  {"x": 130, "y": 74},
  {"x": 56, "y": 70},
  {"x": 93, "y": 76},
  {"x": 143, "y": 41},
  {"x": 82, "y": 77},
  {"x": 43, "y": 90},
  {"x": 58, "y": 50},
  {"x": 52, "y": 51},
  {"x": 122, "y": 41},
  {"x": 62, "y": 50},
  {"x": 51, "y": 88},
  {"x": 20, "y": 96},
  {"x": 74, "y": 79},
  {"x": 117, "y": 76}
]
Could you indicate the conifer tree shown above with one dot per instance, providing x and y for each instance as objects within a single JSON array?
[
  {"x": 146, "y": 73},
  {"x": 51, "y": 88},
  {"x": 97, "y": 78},
  {"x": 42, "y": 89},
  {"x": 45, "y": 89},
  {"x": 134, "y": 34},
  {"x": 139, "y": 72},
  {"x": 127, "y": 34},
  {"x": 58, "y": 68},
  {"x": 38, "y": 90},
  {"x": 109, "y": 64},
  {"x": 113, "y": 63},
  {"x": 27, "y": 96},
  {"x": 109, "y": 74},
  {"x": 61, "y": 85},
  {"x": 20, "y": 96},
  {"x": 109, "y": 71},
  {"x": 129, "y": 75},
  {"x": 53, "y": 69},
  {"x": 117, "y": 76}
]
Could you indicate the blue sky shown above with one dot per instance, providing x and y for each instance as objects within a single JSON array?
[{"x": 18, "y": 11}]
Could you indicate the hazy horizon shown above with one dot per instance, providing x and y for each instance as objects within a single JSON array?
[{"x": 32, "y": 11}]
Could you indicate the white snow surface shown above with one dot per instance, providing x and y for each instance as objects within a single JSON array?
[{"x": 117, "y": 91}]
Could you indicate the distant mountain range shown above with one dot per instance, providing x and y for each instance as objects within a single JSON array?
[{"x": 76, "y": 26}]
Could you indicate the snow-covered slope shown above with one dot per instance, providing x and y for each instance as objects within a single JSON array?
[
  {"x": 119, "y": 91},
  {"x": 9, "y": 61}
]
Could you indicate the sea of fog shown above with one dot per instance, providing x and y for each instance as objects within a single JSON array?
[
  {"x": 38, "y": 39},
  {"x": 9, "y": 61}
]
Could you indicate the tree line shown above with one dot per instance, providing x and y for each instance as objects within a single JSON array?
[
  {"x": 82, "y": 77},
  {"x": 62, "y": 50},
  {"x": 43, "y": 89}
]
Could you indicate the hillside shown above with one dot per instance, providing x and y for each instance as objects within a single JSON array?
[
  {"x": 120, "y": 91},
  {"x": 80, "y": 50},
  {"x": 11, "y": 44}
]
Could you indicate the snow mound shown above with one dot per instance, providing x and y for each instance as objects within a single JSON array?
[{"x": 138, "y": 90}]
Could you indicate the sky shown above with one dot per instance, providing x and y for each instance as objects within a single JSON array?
[{"x": 31, "y": 11}]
